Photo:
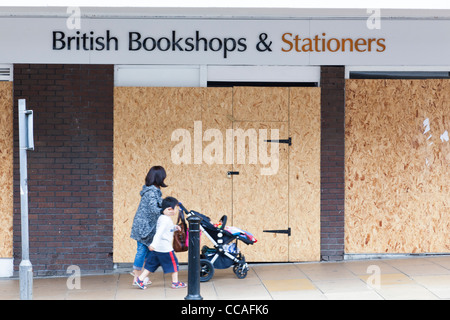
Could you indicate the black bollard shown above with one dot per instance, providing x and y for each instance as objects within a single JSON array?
[{"x": 194, "y": 259}]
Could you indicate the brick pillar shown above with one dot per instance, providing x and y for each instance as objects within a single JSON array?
[
  {"x": 332, "y": 162},
  {"x": 70, "y": 172}
]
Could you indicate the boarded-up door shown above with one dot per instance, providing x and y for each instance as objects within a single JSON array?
[
  {"x": 281, "y": 207},
  {"x": 260, "y": 190}
]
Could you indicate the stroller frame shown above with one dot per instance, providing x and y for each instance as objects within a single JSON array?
[
  {"x": 219, "y": 246},
  {"x": 240, "y": 267}
]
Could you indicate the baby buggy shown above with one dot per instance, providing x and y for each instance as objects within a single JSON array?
[{"x": 225, "y": 252}]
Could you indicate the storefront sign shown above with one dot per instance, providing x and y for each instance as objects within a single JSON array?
[{"x": 225, "y": 42}]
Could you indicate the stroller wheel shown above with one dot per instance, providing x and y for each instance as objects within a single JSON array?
[
  {"x": 240, "y": 270},
  {"x": 206, "y": 270}
]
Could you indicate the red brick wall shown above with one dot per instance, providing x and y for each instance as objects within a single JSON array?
[
  {"x": 70, "y": 172},
  {"x": 332, "y": 162}
]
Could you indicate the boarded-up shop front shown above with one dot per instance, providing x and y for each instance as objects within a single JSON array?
[{"x": 253, "y": 114}]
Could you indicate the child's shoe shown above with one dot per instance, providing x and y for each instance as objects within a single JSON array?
[
  {"x": 140, "y": 283},
  {"x": 178, "y": 285},
  {"x": 146, "y": 281}
]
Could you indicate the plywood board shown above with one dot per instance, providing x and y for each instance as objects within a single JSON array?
[
  {"x": 397, "y": 175},
  {"x": 260, "y": 202},
  {"x": 260, "y": 103},
  {"x": 304, "y": 174},
  {"x": 6, "y": 169},
  {"x": 144, "y": 121},
  {"x": 215, "y": 185},
  {"x": 149, "y": 124}
]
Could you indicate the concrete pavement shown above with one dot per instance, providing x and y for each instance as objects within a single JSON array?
[{"x": 381, "y": 279}]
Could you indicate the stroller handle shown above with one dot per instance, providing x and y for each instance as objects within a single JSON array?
[
  {"x": 192, "y": 213},
  {"x": 183, "y": 208},
  {"x": 188, "y": 213}
]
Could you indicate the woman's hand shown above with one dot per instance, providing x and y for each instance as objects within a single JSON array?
[{"x": 151, "y": 248}]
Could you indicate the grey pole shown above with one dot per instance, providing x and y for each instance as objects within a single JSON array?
[{"x": 25, "y": 267}]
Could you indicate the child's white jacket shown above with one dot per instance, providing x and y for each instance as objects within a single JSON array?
[{"x": 162, "y": 241}]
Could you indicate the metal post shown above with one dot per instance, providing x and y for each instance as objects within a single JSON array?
[
  {"x": 194, "y": 259},
  {"x": 25, "y": 267}
]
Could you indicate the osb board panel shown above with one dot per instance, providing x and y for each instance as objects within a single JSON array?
[
  {"x": 260, "y": 202},
  {"x": 141, "y": 140},
  {"x": 215, "y": 184},
  {"x": 397, "y": 175},
  {"x": 145, "y": 120},
  {"x": 6, "y": 170},
  {"x": 260, "y": 104},
  {"x": 304, "y": 174}
]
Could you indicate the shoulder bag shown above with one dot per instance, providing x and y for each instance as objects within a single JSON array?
[{"x": 180, "y": 243}]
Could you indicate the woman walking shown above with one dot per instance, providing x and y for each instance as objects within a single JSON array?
[{"x": 147, "y": 214}]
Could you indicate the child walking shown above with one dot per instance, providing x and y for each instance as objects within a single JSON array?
[{"x": 161, "y": 250}]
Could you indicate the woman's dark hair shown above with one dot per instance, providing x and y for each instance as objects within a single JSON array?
[{"x": 155, "y": 177}]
